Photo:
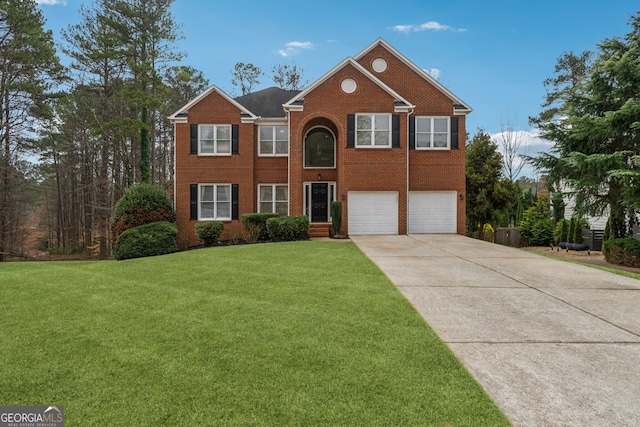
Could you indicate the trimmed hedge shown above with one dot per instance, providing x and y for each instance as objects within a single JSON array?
[
  {"x": 152, "y": 239},
  {"x": 209, "y": 232},
  {"x": 254, "y": 226},
  {"x": 141, "y": 204},
  {"x": 623, "y": 251},
  {"x": 288, "y": 228}
]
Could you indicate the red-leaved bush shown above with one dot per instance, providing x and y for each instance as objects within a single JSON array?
[{"x": 141, "y": 204}]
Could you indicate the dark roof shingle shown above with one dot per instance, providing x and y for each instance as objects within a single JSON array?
[{"x": 267, "y": 102}]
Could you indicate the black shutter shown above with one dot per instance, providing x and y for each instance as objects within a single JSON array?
[
  {"x": 395, "y": 131},
  {"x": 234, "y": 201},
  {"x": 412, "y": 133},
  {"x": 234, "y": 138},
  {"x": 454, "y": 133},
  {"x": 194, "y": 139},
  {"x": 193, "y": 215},
  {"x": 351, "y": 130}
]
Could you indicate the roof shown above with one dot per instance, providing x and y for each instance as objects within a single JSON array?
[{"x": 267, "y": 102}]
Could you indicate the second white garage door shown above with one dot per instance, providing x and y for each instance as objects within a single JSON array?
[
  {"x": 373, "y": 212},
  {"x": 432, "y": 212}
]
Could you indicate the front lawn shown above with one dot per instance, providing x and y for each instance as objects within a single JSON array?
[{"x": 302, "y": 333}]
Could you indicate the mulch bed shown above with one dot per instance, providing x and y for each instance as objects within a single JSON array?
[{"x": 595, "y": 257}]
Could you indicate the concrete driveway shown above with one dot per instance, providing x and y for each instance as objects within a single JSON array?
[{"x": 553, "y": 343}]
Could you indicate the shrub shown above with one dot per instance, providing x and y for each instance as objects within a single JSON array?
[
  {"x": 542, "y": 233},
  {"x": 255, "y": 226},
  {"x": 488, "y": 232},
  {"x": 572, "y": 230},
  {"x": 623, "y": 251},
  {"x": 538, "y": 212},
  {"x": 577, "y": 234},
  {"x": 209, "y": 232},
  {"x": 336, "y": 217},
  {"x": 561, "y": 231},
  {"x": 288, "y": 228},
  {"x": 156, "y": 238},
  {"x": 141, "y": 204}
]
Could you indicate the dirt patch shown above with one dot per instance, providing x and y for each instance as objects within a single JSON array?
[{"x": 593, "y": 257}]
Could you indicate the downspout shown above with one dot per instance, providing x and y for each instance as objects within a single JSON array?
[
  {"x": 175, "y": 150},
  {"x": 288, "y": 160},
  {"x": 411, "y": 111}
]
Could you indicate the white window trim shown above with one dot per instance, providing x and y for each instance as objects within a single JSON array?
[
  {"x": 215, "y": 140},
  {"x": 372, "y": 130},
  {"x": 215, "y": 202},
  {"x": 431, "y": 147},
  {"x": 304, "y": 147},
  {"x": 273, "y": 140},
  {"x": 273, "y": 201}
]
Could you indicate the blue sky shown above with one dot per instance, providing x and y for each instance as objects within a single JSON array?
[{"x": 492, "y": 54}]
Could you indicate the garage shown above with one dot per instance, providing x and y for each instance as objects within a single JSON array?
[
  {"x": 373, "y": 212},
  {"x": 432, "y": 212}
]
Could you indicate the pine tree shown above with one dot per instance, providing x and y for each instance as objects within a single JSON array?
[
  {"x": 29, "y": 73},
  {"x": 591, "y": 114}
]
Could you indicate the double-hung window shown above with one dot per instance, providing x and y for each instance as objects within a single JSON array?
[
  {"x": 273, "y": 141},
  {"x": 273, "y": 198},
  {"x": 214, "y": 140},
  {"x": 214, "y": 201},
  {"x": 432, "y": 133},
  {"x": 373, "y": 130}
]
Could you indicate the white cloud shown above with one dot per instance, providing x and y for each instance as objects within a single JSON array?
[
  {"x": 293, "y": 48},
  {"x": 406, "y": 29},
  {"x": 434, "y": 72},
  {"x": 532, "y": 145},
  {"x": 432, "y": 25},
  {"x": 52, "y": 2},
  {"x": 427, "y": 26}
]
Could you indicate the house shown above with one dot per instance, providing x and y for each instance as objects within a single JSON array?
[{"x": 376, "y": 132}]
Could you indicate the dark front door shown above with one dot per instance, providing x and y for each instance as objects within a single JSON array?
[{"x": 319, "y": 205}]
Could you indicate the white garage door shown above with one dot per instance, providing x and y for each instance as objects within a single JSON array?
[
  {"x": 373, "y": 212},
  {"x": 432, "y": 212}
]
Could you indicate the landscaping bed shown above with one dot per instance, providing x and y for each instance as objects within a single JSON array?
[{"x": 594, "y": 257}]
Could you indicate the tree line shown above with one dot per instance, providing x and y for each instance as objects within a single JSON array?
[
  {"x": 74, "y": 137},
  {"x": 591, "y": 114}
]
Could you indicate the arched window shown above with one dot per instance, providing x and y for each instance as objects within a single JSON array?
[{"x": 319, "y": 149}]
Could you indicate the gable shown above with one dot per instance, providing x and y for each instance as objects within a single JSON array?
[
  {"x": 212, "y": 101},
  {"x": 334, "y": 77},
  {"x": 409, "y": 80}
]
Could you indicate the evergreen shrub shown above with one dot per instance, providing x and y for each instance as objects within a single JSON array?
[
  {"x": 623, "y": 251},
  {"x": 288, "y": 228},
  {"x": 209, "y": 232},
  {"x": 336, "y": 217},
  {"x": 141, "y": 204},
  {"x": 254, "y": 226},
  {"x": 156, "y": 238},
  {"x": 542, "y": 233}
]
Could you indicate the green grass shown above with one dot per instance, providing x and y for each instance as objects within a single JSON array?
[{"x": 302, "y": 333}]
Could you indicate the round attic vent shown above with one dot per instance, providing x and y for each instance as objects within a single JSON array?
[
  {"x": 379, "y": 65},
  {"x": 349, "y": 85}
]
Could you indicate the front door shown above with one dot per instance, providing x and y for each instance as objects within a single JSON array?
[{"x": 319, "y": 202}]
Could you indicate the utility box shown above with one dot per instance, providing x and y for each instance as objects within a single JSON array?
[{"x": 593, "y": 239}]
